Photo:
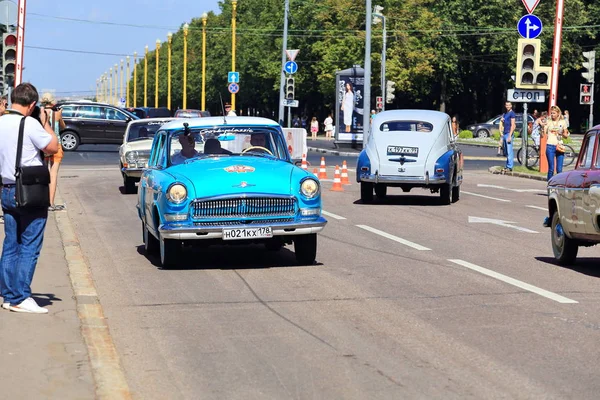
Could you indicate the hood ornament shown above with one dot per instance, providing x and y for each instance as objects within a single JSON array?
[{"x": 244, "y": 184}]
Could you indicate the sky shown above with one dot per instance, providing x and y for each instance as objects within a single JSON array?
[{"x": 73, "y": 74}]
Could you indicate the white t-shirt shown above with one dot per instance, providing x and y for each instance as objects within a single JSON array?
[{"x": 35, "y": 138}]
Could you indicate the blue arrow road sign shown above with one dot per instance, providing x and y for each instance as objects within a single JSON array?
[
  {"x": 529, "y": 26},
  {"x": 233, "y": 88},
  {"x": 291, "y": 67},
  {"x": 233, "y": 77}
]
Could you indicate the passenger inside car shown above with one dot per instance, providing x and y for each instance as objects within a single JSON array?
[
  {"x": 213, "y": 146},
  {"x": 188, "y": 144}
]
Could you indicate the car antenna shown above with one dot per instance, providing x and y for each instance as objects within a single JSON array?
[{"x": 223, "y": 109}]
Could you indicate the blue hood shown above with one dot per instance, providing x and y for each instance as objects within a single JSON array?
[{"x": 236, "y": 175}]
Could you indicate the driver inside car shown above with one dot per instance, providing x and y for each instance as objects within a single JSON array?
[
  {"x": 258, "y": 139},
  {"x": 188, "y": 144}
]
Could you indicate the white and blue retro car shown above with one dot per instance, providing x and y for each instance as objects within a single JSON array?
[
  {"x": 408, "y": 149},
  {"x": 226, "y": 181}
]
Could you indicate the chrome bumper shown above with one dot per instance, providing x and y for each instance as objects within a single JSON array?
[
  {"x": 188, "y": 231},
  {"x": 403, "y": 180},
  {"x": 132, "y": 172}
]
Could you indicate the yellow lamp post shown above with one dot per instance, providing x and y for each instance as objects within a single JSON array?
[
  {"x": 170, "y": 43},
  {"x": 114, "y": 103},
  {"x": 105, "y": 79},
  {"x": 233, "y": 15},
  {"x": 146, "y": 78},
  {"x": 135, "y": 79},
  {"x": 156, "y": 80},
  {"x": 97, "y": 89},
  {"x": 110, "y": 86},
  {"x": 127, "y": 77},
  {"x": 121, "y": 91},
  {"x": 204, "y": 18},
  {"x": 185, "y": 35}
]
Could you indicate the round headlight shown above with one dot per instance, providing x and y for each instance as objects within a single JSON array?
[
  {"x": 309, "y": 188},
  {"x": 177, "y": 193},
  {"x": 131, "y": 156}
]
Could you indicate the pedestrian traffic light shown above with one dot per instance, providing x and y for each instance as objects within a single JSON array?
[
  {"x": 585, "y": 93},
  {"x": 589, "y": 65},
  {"x": 379, "y": 102},
  {"x": 289, "y": 88},
  {"x": 530, "y": 74},
  {"x": 390, "y": 88},
  {"x": 9, "y": 57}
]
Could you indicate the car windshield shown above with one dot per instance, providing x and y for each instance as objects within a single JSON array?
[
  {"x": 406, "y": 126},
  {"x": 223, "y": 142},
  {"x": 144, "y": 130},
  {"x": 188, "y": 114}
]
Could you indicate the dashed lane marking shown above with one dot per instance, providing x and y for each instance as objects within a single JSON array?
[
  {"x": 515, "y": 282},
  {"x": 483, "y": 185},
  {"x": 485, "y": 197},
  {"x": 394, "y": 238},
  {"x": 332, "y": 215},
  {"x": 538, "y": 208}
]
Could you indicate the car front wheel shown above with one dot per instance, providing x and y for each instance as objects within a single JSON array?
[
  {"x": 69, "y": 141},
  {"x": 150, "y": 242},
  {"x": 305, "y": 247},
  {"x": 169, "y": 252},
  {"x": 565, "y": 249},
  {"x": 366, "y": 192}
]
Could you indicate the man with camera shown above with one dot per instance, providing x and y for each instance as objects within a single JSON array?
[{"x": 23, "y": 226}]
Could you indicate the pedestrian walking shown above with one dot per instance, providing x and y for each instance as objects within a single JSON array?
[
  {"x": 509, "y": 122},
  {"x": 23, "y": 226},
  {"x": 500, "y": 141},
  {"x": 328, "y": 126},
  {"x": 54, "y": 160},
  {"x": 538, "y": 128},
  {"x": 555, "y": 130},
  {"x": 314, "y": 128}
]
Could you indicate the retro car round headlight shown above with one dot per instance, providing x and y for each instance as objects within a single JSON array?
[
  {"x": 177, "y": 193},
  {"x": 309, "y": 188},
  {"x": 131, "y": 156}
]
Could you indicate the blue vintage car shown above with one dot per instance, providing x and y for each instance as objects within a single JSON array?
[
  {"x": 408, "y": 149},
  {"x": 226, "y": 181}
]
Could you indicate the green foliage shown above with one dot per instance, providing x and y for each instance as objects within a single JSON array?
[
  {"x": 567, "y": 140},
  {"x": 465, "y": 134},
  {"x": 496, "y": 135}
]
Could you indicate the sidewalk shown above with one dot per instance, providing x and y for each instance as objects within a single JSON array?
[{"x": 45, "y": 356}]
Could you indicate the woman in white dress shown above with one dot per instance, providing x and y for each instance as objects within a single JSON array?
[{"x": 348, "y": 106}]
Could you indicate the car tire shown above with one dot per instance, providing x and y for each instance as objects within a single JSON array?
[
  {"x": 380, "y": 191},
  {"x": 169, "y": 252},
  {"x": 455, "y": 194},
  {"x": 305, "y": 247},
  {"x": 129, "y": 184},
  {"x": 565, "y": 249},
  {"x": 446, "y": 194},
  {"x": 69, "y": 141},
  {"x": 482, "y": 133},
  {"x": 366, "y": 192},
  {"x": 150, "y": 242}
]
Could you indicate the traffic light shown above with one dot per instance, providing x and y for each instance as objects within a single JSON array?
[
  {"x": 9, "y": 57},
  {"x": 530, "y": 75},
  {"x": 585, "y": 93},
  {"x": 289, "y": 88},
  {"x": 589, "y": 65},
  {"x": 379, "y": 102},
  {"x": 390, "y": 88}
]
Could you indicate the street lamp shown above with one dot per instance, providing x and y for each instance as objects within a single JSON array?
[
  {"x": 110, "y": 87},
  {"x": 204, "y": 19},
  {"x": 156, "y": 80},
  {"x": 121, "y": 91},
  {"x": 170, "y": 42},
  {"x": 146, "y": 77},
  {"x": 379, "y": 17},
  {"x": 116, "y": 84},
  {"x": 97, "y": 89},
  {"x": 105, "y": 87},
  {"x": 127, "y": 75},
  {"x": 233, "y": 15},
  {"x": 185, "y": 35},
  {"x": 135, "y": 79}
]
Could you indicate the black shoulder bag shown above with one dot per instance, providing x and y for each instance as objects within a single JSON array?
[{"x": 32, "y": 183}]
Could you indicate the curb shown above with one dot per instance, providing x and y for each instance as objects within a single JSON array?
[
  {"x": 498, "y": 171},
  {"x": 107, "y": 371},
  {"x": 333, "y": 152}
]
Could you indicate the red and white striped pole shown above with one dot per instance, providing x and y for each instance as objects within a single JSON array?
[{"x": 20, "y": 42}]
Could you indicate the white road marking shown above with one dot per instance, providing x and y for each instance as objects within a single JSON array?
[
  {"x": 394, "y": 238},
  {"x": 515, "y": 282},
  {"x": 499, "y": 222},
  {"x": 332, "y": 215},
  {"x": 485, "y": 197},
  {"x": 512, "y": 190},
  {"x": 538, "y": 208},
  {"x": 89, "y": 169}
]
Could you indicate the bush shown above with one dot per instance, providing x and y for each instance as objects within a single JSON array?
[
  {"x": 567, "y": 140},
  {"x": 465, "y": 135},
  {"x": 496, "y": 135}
]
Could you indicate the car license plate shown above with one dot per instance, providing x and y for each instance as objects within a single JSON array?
[
  {"x": 403, "y": 151},
  {"x": 247, "y": 233}
]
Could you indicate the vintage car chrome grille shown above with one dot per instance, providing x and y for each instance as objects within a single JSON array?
[
  {"x": 244, "y": 223},
  {"x": 244, "y": 207}
]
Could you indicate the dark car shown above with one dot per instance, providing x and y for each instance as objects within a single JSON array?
[
  {"x": 92, "y": 123},
  {"x": 189, "y": 113},
  {"x": 150, "y": 112},
  {"x": 487, "y": 129}
]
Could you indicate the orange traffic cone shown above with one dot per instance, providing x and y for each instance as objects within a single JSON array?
[
  {"x": 344, "y": 179},
  {"x": 304, "y": 163},
  {"x": 316, "y": 173},
  {"x": 323, "y": 169},
  {"x": 337, "y": 183}
]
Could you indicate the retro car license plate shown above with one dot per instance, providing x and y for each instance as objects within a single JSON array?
[
  {"x": 247, "y": 233},
  {"x": 403, "y": 151}
]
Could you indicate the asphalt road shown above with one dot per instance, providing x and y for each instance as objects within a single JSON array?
[{"x": 408, "y": 299}]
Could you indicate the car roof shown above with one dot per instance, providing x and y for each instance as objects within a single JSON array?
[
  {"x": 437, "y": 118},
  {"x": 212, "y": 122},
  {"x": 146, "y": 120}
]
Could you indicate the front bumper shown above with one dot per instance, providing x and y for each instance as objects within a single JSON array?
[
  {"x": 189, "y": 231},
  {"x": 403, "y": 180},
  {"x": 132, "y": 172}
]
